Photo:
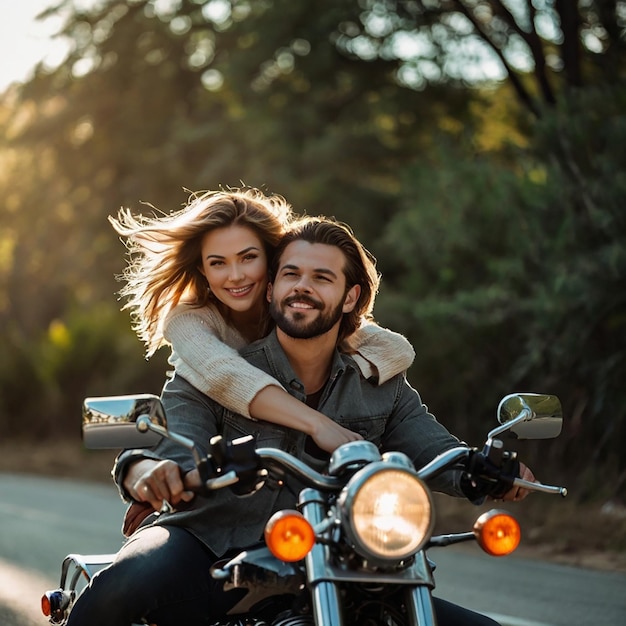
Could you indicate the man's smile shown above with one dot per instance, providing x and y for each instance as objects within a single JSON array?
[{"x": 300, "y": 302}]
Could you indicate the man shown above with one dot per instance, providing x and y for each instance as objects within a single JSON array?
[{"x": 322, "y": 282}]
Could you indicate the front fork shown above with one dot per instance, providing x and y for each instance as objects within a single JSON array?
[
  {"x": 420, "y": 609},
  {"x": 325, "y": 595}
]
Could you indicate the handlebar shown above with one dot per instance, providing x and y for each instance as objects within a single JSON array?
[
  {"x": 272, "y": 457},
  {"x": 459, "y": 456},
  {"x": 300, "y": 470},
  {"x": 246, "y": 469},
  {"x": 268, "y": 458}
]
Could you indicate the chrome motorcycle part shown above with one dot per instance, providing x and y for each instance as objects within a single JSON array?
[
  {"x": 76, "y": 572},
  {"x": 529, "y": 416},
  {"x": 353, "y": 455},
  {"x": 111, "y": 422},
  {"x": 387, "y": 513}
]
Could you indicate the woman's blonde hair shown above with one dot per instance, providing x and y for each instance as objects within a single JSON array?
[{"x": 164, "y": 252}]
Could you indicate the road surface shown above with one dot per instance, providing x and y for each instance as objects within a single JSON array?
[{"x": 42, "y": 520}]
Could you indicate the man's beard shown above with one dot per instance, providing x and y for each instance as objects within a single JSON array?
[{"x": 295, "y": 326}]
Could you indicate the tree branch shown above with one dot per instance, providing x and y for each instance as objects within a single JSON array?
[
  {"x": 570, "y": 50},
  {"x": 522, "y": 93}
]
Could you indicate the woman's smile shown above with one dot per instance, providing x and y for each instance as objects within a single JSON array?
[{"x": 240, "y": 291}]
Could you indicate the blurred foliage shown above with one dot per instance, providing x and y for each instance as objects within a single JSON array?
[
  {"x": 495, "y": 207},
  {"x": 519, "y": 277},
  {"x": 45, "y": 376}
]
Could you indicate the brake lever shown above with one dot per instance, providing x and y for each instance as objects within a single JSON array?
[
  {"x": 533, "y": 486},
  {"x": 226, "y": 480}
]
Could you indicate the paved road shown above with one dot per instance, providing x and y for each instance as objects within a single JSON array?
[
  {"x": 42, "y": 520},
  {"x": 531, "y": 592}
]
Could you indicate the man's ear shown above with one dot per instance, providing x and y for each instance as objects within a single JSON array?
[
  {"x": 351, "y": 298},
  {"x": 268, "y": 292}
]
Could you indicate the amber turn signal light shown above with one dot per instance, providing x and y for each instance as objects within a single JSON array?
[
  {"x": 289, "y": 536},
  {"x": 498, "y": 533}
]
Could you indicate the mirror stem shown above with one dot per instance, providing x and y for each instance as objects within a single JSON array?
[
  {"x": 525, "y": 414},
  {"x": 144, "y": 423}
]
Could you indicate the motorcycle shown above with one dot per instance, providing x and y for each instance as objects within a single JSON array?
[{"x": 355, "y": 550}]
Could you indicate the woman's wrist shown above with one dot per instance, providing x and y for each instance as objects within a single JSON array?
[{"x": 275, "y": 405}]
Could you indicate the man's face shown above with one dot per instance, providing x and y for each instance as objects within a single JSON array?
[{"x": 309, "y": 295}]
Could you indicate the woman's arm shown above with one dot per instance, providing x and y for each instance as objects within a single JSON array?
[
  {"x": 200, "y": 354},
  {"x": 379, "y": 351},
  {"x": 281, "y": 408},
  {"x": 205, "y": 353}
]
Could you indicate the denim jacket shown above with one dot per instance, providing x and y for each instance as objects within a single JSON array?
[{"x": 391, "y": 415}]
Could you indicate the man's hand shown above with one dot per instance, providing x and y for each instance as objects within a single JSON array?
[
  {"x": 154, "y": 481},
  {"x": 518, "y": 493}
]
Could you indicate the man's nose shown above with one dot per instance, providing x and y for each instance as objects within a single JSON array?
[{"x": 302, "y": 284}]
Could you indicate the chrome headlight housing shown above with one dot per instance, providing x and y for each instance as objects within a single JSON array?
[{"x": 386, "y": 513}]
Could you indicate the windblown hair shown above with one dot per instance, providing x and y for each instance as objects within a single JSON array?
[
  {"x": 164, "y": 252},
  {"x": 359, "y": 267}
]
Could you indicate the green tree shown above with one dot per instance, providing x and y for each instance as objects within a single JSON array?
[
  {"x": 543, "y": 49},
  {"x": 517, "y": 275}
]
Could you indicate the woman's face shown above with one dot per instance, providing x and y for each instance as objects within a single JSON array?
[{"x": 235, "y": 265}]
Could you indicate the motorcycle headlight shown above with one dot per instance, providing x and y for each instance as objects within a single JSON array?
[{"x": 387, "y": 513}]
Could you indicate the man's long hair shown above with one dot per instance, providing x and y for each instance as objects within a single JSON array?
[{"x": 359, "y": 267}]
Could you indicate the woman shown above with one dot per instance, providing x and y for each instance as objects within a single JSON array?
[{"x": 197, "y": 279}]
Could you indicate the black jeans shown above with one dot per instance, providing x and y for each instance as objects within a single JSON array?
[{"x": 162, "y": 575}]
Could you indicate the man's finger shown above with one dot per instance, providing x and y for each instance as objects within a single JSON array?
[{"x": 192, "y": 480}]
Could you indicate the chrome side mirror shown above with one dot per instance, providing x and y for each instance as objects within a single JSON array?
[
  {"x": 111, "y": 422},
  {"x": 530, "y": 416}
]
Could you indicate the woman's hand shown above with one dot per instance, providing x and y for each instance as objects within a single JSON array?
[{"x": 329, "y": 435}]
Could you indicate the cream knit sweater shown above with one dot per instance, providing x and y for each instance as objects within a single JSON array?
[{"x": 205, "y": 353}]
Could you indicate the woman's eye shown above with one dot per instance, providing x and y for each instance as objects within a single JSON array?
[
  {"x": 215, "y": 263},
  {"x": 250, "y": 257}
]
